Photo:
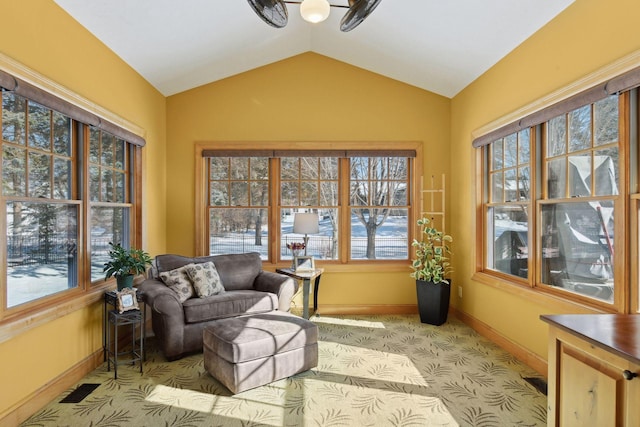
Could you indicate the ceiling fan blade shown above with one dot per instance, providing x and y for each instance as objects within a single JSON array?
[
  {"x": 273, "y": 12},
  {"x": 358, "y": 11}
]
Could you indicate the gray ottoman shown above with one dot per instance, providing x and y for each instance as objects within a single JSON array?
[{"x": 250, "y": 351}]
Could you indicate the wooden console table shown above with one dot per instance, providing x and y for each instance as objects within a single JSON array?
[
  {"x": 306, "y": 277},
  {"x": 594, "y": 363}
]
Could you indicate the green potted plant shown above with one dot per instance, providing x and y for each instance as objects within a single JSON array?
[
  {"x": 125, "y": 264},
  {"x": 431, "y": 267}
]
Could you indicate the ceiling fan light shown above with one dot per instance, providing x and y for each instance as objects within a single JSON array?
[{"x": 314, "y": 11}]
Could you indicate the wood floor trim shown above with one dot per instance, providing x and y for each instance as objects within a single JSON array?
[
  {"x": 45, "y": 394},
  {"x": 367, "y": 309},
  {"x": 526, "y": 356}
]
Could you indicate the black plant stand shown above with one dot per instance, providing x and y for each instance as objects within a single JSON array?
[
  {"x": 134, "y": 319},
  {"x": 433, "y": 301}
]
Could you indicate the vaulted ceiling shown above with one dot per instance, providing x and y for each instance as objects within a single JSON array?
[{"x": 437, "y": 45}]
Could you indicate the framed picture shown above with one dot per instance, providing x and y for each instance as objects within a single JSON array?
[
  {"x": 127, "y": 300},
  {"x": 303, "y": 263}
]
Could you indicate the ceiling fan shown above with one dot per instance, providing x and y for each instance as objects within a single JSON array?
[{"x": 274, "y": 12}]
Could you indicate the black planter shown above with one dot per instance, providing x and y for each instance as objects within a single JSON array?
[
  {"x": 124, "y": 281},
  {"x": 433, "y": 301}
]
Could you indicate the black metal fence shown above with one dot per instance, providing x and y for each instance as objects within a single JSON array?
[
  {"x": 58, "y": 248},
  {"x": 320, "y": 247}
]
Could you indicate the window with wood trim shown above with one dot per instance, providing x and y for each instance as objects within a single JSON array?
[
  {"x": 379, "y": 207},
  {"x": 238, "y": 205},
  {"x": 363, "y": 202},
  {"x": 572, "y": 221},
  {"x": 508, "y": 204},
  {"x": 581, "y": 169},
  {"x": 67, "y": 191},
  {"x": 310, "y": 184},
  {"x": 110, "y": 192}
]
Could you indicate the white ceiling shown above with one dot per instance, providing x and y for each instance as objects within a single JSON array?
[{"x": 436, "y": 45}]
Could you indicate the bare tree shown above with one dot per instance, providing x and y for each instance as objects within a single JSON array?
[
  {"x": 259, "y": 192},
  {"x": 377, "y": 184},
  {"x": 327, "y": 174}
]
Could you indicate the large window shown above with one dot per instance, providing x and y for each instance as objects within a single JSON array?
[
  {"x": 379, "y": 207},
  {"x": 310, "y": 184},
  {"x": 581, "y": 170},
  {"x": 363, "y": 203},
  {"x": 508, "y": 203},
  {"x": 569, "y": 217},
  {"x": 238, "y": 201},
  {"x": 37, "y": 187},
  {"x": 109, "y": 196},
  {"x": 61, "y": 210}
]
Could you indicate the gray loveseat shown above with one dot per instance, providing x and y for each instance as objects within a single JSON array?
[{"x": 248, "y": 290}]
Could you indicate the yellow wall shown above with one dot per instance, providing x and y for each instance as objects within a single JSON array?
[
  {"x": 587, "y": 36},
  {"x": 38, "y": 34},
  {"x": 305, "y": 98}
]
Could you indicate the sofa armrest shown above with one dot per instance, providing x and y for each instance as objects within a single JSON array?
[
  {"x": 283, "y": 286},
  {"x": 155, "y": 291},
  {"x": 168, "y": 316},
  {"x": 162, "y": 300}
]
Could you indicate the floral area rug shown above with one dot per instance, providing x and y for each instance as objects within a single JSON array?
[{"x": 387, "y": 370}]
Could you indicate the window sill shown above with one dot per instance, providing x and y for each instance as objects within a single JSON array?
[
  {"x": 554, "y": 303},
  {"x": 355, "y": 267},
  {"x": 12, "y": 327}
]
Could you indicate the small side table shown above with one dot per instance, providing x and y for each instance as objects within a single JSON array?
[
  {"x": 306, "y": 277},
  {"x": 134, "y": 318}
]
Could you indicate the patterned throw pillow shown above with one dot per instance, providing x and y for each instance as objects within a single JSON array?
[
  {"x": 178, "y": 281},
  {"x": 205, "y": 278}
]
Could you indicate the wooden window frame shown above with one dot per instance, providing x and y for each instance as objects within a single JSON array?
[
  {"x": 17, "y": 320},
  {"x": 370, "y": 180},
  {"x": 626, "y": 293},
  {"x": 300, "y": 206},
  {"x": 229, "y": 181},
  {"x": 80, "y": 187},
  {"x": 489, "y": 205},
  {"x": 299, "y": 149},
  {"x": 132, "y": 189}
]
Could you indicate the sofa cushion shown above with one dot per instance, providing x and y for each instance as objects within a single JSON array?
[
  {"x": 237, "y": 271},
  {"x": 167, "y": 262},
  {"x": 228, "y": 304},
  {"x": 205, "y": 278},
  {"x": 178, "y": 281}
]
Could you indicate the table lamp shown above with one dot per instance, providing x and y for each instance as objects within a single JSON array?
[{"x": 306, "y": 223}]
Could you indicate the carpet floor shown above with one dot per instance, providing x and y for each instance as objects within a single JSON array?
[{"x": 387, "y": 370}]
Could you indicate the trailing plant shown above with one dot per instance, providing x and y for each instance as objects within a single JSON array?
[
  {"x": 125, "y": 262},
  {"x": 431, "y": 263}
]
